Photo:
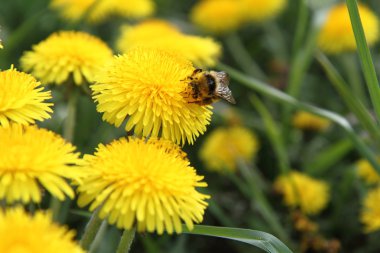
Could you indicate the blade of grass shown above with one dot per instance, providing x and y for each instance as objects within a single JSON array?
[
  {"x": 365, "y": 56},
  {"x": 260, "y": 200},
  {"x": 218, "y": 212},
  {"x": 262, "y": 240},
  {"x": 353, "y": 76},
  {"x": 328, "y": 157},
  {"x": 348, "y": 97},
  {"x": 300, "y": 63},
  {"x": 242, "y": 56},
  {"x": 301, "y": 28},
  {"x": 281, "y": 97},
  {"x": 274, "y": 134}
]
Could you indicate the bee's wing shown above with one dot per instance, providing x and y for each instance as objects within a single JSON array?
[{"x": 226, "y": 94}]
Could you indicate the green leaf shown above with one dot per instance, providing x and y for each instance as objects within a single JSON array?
[
  {"x": 365, "y": 56},
  {"x": 262, "y": 240}
]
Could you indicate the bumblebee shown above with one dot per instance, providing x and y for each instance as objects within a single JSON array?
[{"x": 206, "y": 87}]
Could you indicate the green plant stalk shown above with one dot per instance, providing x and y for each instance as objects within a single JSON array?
[
  {"x": 91, "y": 230},
  {"x": 242, "y": 56},
  {"x": 274, "y": 135},
  {"x": 302, "y": 22},
  {"x": 126, "y": 240},
  {"x": 349, "y": 98},
  {"x": 300, "y": 63},
  {"x": 281, "y": 97},
  {"x": 261, "y": 201},
  {"x": 55, "y": 207},
  {"x": 365, "y": 56},
  {"x": 69, "y": 124},
  {"x": 99, "y": 237},
  {"x": 218, "y": 212},
  {"x": 352, "y": 70},
  {"x": 276, "y": 41},
  {"x": 68, "y": 135},
  {"x": 328, "y": 157}
]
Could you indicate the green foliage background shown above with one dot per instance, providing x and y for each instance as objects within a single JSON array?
[{"x": 329, "y": 155}]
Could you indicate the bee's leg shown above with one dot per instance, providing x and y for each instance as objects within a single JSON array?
[
  {"x": 196, "y": 71},
  {"x": 207, "y": 101}
]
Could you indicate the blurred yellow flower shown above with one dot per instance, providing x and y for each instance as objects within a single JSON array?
[
  {"x": 218, "y": 16},
  {"x": 224, "y": 146},
  {"x": 22, "y": 99},
  {"x": 370, "y": 213},
  {"x": 144, "y": 88},
  {"x": 144, "y": 183},
  {"x": 307, "y": 121},
  {"x": 159, "y": 34},
  {"x": 336, "y": 34},
  {"x": 300, "y": 190},
  {"x": 367, "y": 172},
  {"x": 98, "y": 10},
  {"x": 65, "y": 55},
  {"x": 30, "y": 157},
  {"x": 262, "y": 10},
  {"x": 146, "y": 30},
  {"x": 22, "y": 232}
]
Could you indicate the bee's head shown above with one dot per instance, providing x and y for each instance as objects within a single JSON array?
[{"x": 222, "y": 81}]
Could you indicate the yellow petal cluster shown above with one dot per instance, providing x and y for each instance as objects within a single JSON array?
[
  {"x": 31, "y": 157},
  {"x": 148, "y": 184},
  {"x": 160, "y": 34},
  {"x": 223, "y": 16},
  {"x": 300, "y": 190},
  {"x": 370, "y": 213},
  {"x": 22, "y": 99},
  {"x": 367, "y": 172},
  {"x": 67, "y": 55},
  {"x": 218, "y": 16},
  {"x": 143, "y": 87},
  {"x": 98, "y": 10},
  {"x": 262, "y": 10},
  {"x": 21, "y": 232},
  {"x": 307, "y": 121},
  {"x": 225, "y": 146},
  {"x": 336, "y": 35}
]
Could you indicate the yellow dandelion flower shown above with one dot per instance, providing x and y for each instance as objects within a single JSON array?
[
  {"x": 134, "y": 8},
  {"x": 31, "y": 157},
  {"x": 65, "y": 55},
  {"x": 367, "y": 172},
  {"x": 300, "y": 190},
  {"x": 21, "y": 232},
  {"x": 148, "y": 184},
  {"x": 224, "y": 146},
  {"x": 143, "y": 88},
  {"x": 98, "y": 10},
  {"x": 160, "y": 34},
  {"x": 218, "y": 16},
  {"x": 307, "y": 121},
  {"x": 262, "y": 10},
  {"x": 336, "y": 34},
  {"x": 22, "y": 99},
  {"x": 370, "y": 213},
  {"x": 146, "y": 30}
]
